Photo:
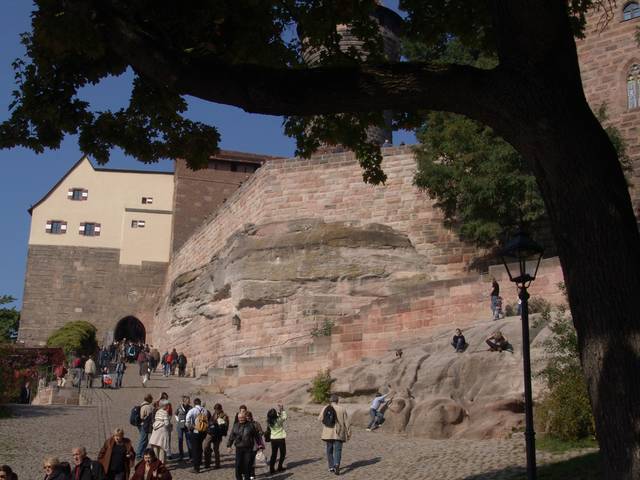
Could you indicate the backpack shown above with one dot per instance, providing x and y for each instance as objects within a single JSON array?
[
  {"x": 202, "y": 422},
  {"x": 147, "y": 422},
  {"x": 134, "y": 416},
  {"x": 329, "y": 417}
]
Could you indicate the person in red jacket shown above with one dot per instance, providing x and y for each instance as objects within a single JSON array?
[
  {"x": 150, "y": 468},
  {"x": 60, "y": 372}
]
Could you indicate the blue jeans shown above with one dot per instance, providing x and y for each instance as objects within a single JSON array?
[
  {"x": 334, "y": 452},
  {"x": 143, "y": 442},
  {"x": 119, "y": 376},
  {"x": 375, "y": 418},
  {"x": 494, "y": 300},
  {"x": 183, "y": 433},
  {"x": 166, "y": 369}
]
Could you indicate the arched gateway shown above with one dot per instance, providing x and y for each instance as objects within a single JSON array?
[{"x": 130, "y": 328}]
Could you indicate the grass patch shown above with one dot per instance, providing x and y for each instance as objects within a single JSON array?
[
  {"x": 555, "y": 445},
  {"x": 585, "y": 467}
]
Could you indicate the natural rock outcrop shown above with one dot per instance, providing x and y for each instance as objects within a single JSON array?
[
  {"x": 438, "y": 393},
  {"x": 301, "y": 272}
]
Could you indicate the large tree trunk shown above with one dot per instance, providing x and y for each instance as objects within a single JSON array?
[{"x": 597, "y": 237}]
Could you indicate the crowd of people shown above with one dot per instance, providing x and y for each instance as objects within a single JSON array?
[
  {"x": 201, "y": 434},
  {"x": 110, "y": 363}
]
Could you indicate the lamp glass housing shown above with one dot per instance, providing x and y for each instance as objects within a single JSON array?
[{"x": 521, "y": 257}]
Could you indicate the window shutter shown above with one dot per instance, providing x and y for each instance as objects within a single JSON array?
[
  {"x": 48, "y": 226},
  {"x": 149, "y": 200},
  {"x": 63, "y": 227},
  {"x": 81, "y": 229},
  {"x": 141, "y": 223},
  {"x": 85, "y": 194},
  {"x": 96, "y": 229},
  {"x": 70, "y": 193}
]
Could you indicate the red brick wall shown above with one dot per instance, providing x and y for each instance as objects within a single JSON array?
[{"x": 606, "y": 54}]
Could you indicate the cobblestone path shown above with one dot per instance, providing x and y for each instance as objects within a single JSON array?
[{"x": 33, "y": 432}]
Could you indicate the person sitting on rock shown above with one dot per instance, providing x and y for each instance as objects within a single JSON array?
[
  {"x": 497, "y": 342},
  {"x": 458, "y": 342}
]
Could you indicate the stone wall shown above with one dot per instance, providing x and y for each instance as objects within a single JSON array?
[
  {"x": 64, "y": 284},
  {"x": 304, "y": 242},
  {"x": 330, "y": 187},
  {"x": 606, "y": 55}
]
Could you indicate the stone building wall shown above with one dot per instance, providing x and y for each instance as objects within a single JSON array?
[
  {"x": 66, "y": 284},
  {"x": 330, "y": 187},
  {"x": 282, "y": 293},
  {"x": 606, "y": 55}
]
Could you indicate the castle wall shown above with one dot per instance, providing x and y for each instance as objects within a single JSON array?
[
  {"x": 606, "y": 55},
  {"x": 330, "y": 187},
  {"x": 67, "y": 283},
  {"x": 275, "y": 338}
]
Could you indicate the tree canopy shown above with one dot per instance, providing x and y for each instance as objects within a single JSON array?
[
  {"x": 250, "y": 53},
  {"x": 9, "y": 319}
]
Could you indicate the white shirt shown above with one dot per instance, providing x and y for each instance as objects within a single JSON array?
[{"x": 192, "y": 414}]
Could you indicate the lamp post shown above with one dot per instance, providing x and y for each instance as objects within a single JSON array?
[{"x": 526, "y": 254}]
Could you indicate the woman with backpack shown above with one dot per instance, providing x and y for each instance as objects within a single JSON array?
[{"x": 276, "y": 435}]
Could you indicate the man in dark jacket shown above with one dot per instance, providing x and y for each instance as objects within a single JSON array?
[
  {"x": 244, "y": 436},
  {"x": 83, "y": 467}
]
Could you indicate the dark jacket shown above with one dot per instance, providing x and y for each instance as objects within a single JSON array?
[
  {"x": 104, "y": 457},
  {"x": 243, "y": 435},
  {"x": 157, "y": 472},
  {"x": 57, "y": 474},
  {"x": 86, "y": 467}
]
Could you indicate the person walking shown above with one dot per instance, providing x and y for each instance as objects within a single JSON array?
[
  {"x": 244, "y": 436},
  {"x": 336, "y": 430},
  {"x": 146, "y": 424},
  {"x": 83, "y": 467},
  {"x": 53, "y": 469},
  {"x": 90, "y": 371},
  {"x": 117, "y": 456},
  {"x": 258, "y": 446},
  {"x": 166, "y": 364},
  {"x": 174, "y": 361},
  {"x": 182, "y": 364},
  {"x": 143, "y": 363},
  {"x": 197, "y": 422},
  {"x": 181, "y": 427},
  {"x": 155, "y": 358},
  {"x": 218, "y": 428},
  {"x": 277, "y": 436},
  {"x": 60, "y": 372},
  {"x": 121, "y": 367},
  {"x": 160, "y": 438},
  {"x": 150, "y": 468}
]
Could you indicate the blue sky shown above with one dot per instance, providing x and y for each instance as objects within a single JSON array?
[{"x": 26, "y": 176}]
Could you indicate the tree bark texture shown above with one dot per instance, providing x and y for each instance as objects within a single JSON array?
[{"x": 534, "y": 99}]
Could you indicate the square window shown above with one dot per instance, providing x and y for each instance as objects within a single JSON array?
[
  {"x": 137, "y": 223},
  {"x": 147, "y": 200},
  {"x": 56, "y": 227},
  {"x": 90, "y": 229},
  {"x": 78, "y": 194}
]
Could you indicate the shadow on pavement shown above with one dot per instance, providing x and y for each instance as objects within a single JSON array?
[
  {"x": 30, "y": 411},
  {"x": 299, "y": 463},
  {"x": 360, "y": 463}
]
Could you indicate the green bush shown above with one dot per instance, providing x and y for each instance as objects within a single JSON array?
[
  {"x": 565, "y": 411},
  {"x": 321, "y": 386},
  {"x": 78, "y": 337},
  {"x": 539, "y": 305}
]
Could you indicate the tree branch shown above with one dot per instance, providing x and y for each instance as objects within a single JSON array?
[{"x": 287, "y": 91}]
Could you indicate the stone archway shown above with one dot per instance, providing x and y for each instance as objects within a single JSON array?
[{"x": 130, "y": 328}]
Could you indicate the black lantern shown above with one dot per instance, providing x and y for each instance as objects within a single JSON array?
[{"x": 521, "y": 257}]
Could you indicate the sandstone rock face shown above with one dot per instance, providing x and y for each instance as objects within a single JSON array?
[
  {"x": 437, "y": 393},
  {"x": 443, "y": 394},
  {"x": 284, "y": 279}
]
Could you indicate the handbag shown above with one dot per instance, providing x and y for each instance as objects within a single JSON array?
[
  {"x": 261, "y": 459},
  {"x": 267, "y": 434}
]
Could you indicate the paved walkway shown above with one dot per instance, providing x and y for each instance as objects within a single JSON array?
[{"x": 33, "y": 432}]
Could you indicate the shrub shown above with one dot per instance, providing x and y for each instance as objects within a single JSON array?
[
  {"x": 78, "y": 337},
  {"x": 564, "y": 410},
  {"x": 323, "y": 330},
  {"x": 321, "y": 386},
  {"x": 539, "y": 305}
]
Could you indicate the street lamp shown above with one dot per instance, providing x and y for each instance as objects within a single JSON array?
[{"x": 521, "y": 257}]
